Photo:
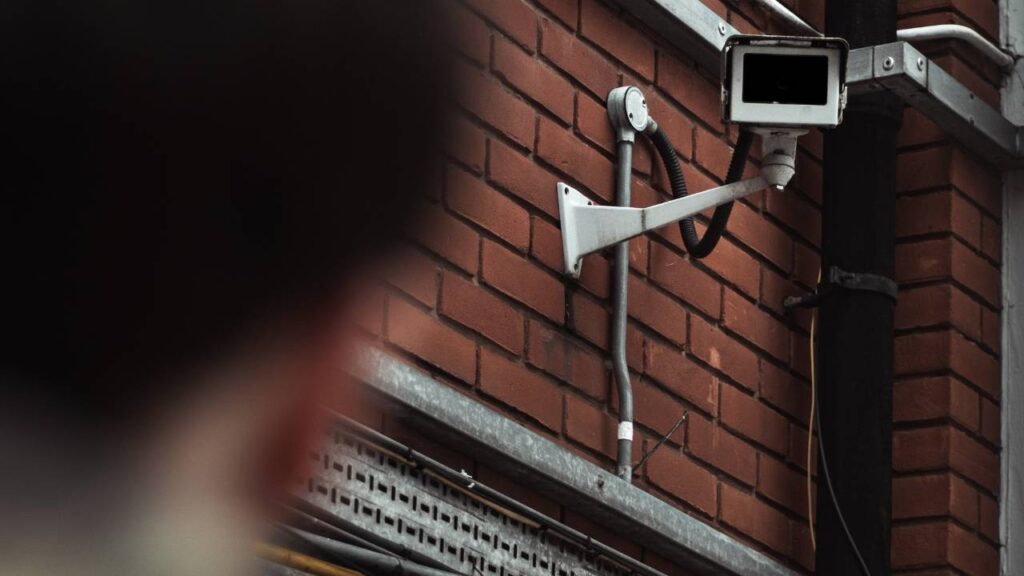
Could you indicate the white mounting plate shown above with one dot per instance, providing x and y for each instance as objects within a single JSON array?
[{"x": 568, "y": 199}]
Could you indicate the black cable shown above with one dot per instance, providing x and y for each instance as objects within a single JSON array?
[
  {"x": 831, "y": 490},
  {"x": 701, "y": 247}
]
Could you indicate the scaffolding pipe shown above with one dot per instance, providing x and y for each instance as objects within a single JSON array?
[
  {"x": 959, "y": 32},
  {"x": 620, "y": 303}
]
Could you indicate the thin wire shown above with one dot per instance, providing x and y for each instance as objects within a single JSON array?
[
  {"x": 810, "y": 431},
  {"x": 662, "y": 441},
  {"x": 824, "y": 461}
]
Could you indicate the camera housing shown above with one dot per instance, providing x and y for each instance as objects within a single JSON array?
[{"x": 784, "y": 81}]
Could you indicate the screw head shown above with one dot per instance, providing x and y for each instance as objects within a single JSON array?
[
  {"x": 721, "y": 28},
  {"x": 888, "y": 63},
  {"x": 920, "y": 63}
]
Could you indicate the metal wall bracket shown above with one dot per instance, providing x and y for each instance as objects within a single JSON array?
[
  {"x": 838, "y": 280},
  {"x": 587, "y": 228}
]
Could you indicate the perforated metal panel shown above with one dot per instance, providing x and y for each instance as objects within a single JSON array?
[{"x": 382, "y": 493}]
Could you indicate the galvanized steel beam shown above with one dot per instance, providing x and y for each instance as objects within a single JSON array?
[{"x": 526, "y": 456}]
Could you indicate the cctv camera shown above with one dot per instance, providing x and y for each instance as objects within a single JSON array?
[{"x": 782, "y": 81}]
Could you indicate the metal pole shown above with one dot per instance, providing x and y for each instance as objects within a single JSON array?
[
  {"x": 856, "y": 327},
  {"x": 620, "y": 300}
]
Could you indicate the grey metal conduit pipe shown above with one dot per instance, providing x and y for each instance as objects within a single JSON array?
[
  {"x": 620, "y": 299},
  {"x": 959, "y": 32},
  {"x": 1000, "y": 57}
]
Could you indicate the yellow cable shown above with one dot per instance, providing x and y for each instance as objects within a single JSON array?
[
  {"x": 291, "y": 559},
  {"x": 810, "y": 430}
]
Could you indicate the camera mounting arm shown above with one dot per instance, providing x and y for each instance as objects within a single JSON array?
[{"x": 587, "y": 228}]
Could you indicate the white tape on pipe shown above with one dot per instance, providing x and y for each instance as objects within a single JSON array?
[{"x": 625, "y": 430}]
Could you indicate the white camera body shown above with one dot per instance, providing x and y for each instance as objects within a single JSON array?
[{"x": 784, "y": 81}]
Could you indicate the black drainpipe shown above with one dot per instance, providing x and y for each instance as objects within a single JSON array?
[{"x": 856, "y": 326}]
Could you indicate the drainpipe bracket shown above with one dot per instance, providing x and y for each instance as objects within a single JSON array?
[{"x": 839, "y": 280}]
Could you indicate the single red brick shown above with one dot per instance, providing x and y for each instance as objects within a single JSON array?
[
  {"x": 467, "y": 144},
  {"x": 735, "y": 266},
  {"x": 761, "y": 236},
  {"x": 782, "y": 485},
  {"x": 917, "y": 130},
  {"x": 533, "y": 79},
  {"x": 758, "y": 327},
  {"x": 971, "y": 554},
  {"x": 921, "y": 496},
  {"x": 992, "y": 239},
  {"x": 472, "y": 37},
  {"x": 593, "y": 124},
  {"x": 448, "y": 237},
  {"x": 580, "y": 162},
  {"x": 492, "y": 103},
  {"x": 936, "y": 305},
  {"x": 934, "y": 398},
  {"x": 990, "y": 422},
  {"x": 978, "y": 181},
  {"x": 675, "y": 125},
  {"x": 919, "y": 545},
  {"x": 974, "y": 460},
  {"x": 723, "y": 353},
  {"x": 991, "y": 329},
  {"x": 910, "y": 176},
  {"x": 424, "y": 336},
  {"x": 754, "y": 420},
  {"x": 974, "y": 364},
  {"x": 989, "y": 517},
  {"x": 656, "y": 310},
  {"x": 797, "y": 455},
  {"x": 610, "y": 32},
  {"x": 679, "y": 476},
  {"x": 796, "y": 213},
  {"x": 679, "y": 374},
  {"x": 488, "y": 208},
  {"x": 806, "y": 265},
  {"x": 655, "y": 410},
  {"x": 686, "y": 85},
  {"x": 565, "y": 10},
  {"x": 578, "y": 60},
  {"x": 712, "y": 152},
  {"x": 550, "y": 351},
  {"x": 511, "y": 171},
  {"x": 415, "y": 274},
  {"x": 512, "y": 17},
  {"x": 588, "y": 425},
  {"x": 590, "y": 320},
  {"x": 471, "y": 306},
  {"x": 977, "y": 274},
  {"x": 920, "y": 449},
  {"x": 755, "y": 519},
  {"x": 720, "y": 449},
  {"x": 935, "y": 212},
  {"x": 513, "y": 384},
  {"x": 963, "y": 501},
  {"x": 924, "y": 260},
  {"x": 518, "y": 278},
  {"x": 784, "y": 391},
  {"x": 680, "y": 277}
]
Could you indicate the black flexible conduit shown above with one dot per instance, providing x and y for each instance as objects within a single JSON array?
[{"x": 701, "y": 247}]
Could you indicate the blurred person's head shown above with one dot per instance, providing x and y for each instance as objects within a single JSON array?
[{"x": 188, "y": 191}]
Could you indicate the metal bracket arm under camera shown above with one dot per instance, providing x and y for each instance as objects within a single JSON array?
[{"x": 587, "y": 228}]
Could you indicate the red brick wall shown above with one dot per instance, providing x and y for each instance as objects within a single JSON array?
[{"x": 479, "y": 298}]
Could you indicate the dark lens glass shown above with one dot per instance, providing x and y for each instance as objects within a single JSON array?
[{"x": 785, "y": 79}]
